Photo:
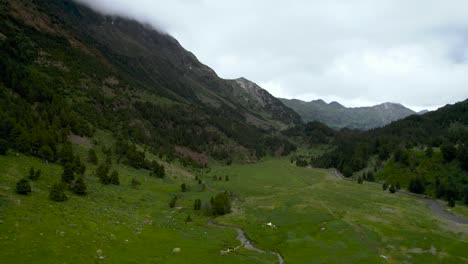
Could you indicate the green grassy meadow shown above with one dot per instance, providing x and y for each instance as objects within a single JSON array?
[{"x": 318, "y": 219}]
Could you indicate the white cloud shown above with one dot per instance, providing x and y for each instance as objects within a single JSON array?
[{"x": 355, "y": 52}]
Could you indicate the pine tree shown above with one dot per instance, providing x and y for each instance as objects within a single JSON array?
[
  {"x": 183, "y": 187},
  {"x": 392, "y": 189},
  {"x": 57, "y": 193},
  {"x": 197, "y": 205},
  {"x": 451, "y": 202},
  {"x": 23, "y": 187},
  {"x": 102, "y": 172},
  {"x": 32, "y": 174},
  {"x": 68, "y": 173},
  {"x": 80, "y": 186},
  {"x": 173, "y": 202},
  {"x": 114, "y": 178}
]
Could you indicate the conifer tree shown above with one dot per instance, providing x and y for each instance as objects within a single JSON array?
[
  {"x": 23, "y": 187},
  {"x": 80, "y": 186},
  {"x": 57, "y": 193}
]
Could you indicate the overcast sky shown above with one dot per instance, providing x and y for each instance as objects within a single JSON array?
[{"x": 356, "y": 52}]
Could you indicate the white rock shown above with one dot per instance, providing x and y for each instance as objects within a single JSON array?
[{"x": 176, "y": 250}]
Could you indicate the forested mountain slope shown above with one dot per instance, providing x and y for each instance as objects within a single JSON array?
[{"x": 66, "y": 69}]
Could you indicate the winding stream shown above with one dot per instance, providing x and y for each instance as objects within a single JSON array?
[{"x": 245, "y": 242}]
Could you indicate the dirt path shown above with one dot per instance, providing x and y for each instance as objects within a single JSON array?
[
  {"x": 436, "y": 206},
  {"x": 245, "y": 242}
]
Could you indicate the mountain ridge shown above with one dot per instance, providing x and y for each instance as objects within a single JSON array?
[{"x": 338, "y": 116}]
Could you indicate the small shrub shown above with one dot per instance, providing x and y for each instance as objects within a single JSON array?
[
  {"x": 23, "y": 187},
  {"x": 135, "y": 183},
  {"x": 57, "y": 193},
  {"x": 114, "y": 178},
  {"x": 173, "y": 202}
]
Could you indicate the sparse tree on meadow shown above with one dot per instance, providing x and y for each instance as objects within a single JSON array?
[
  {"x": 80, "y": 186},
  {"x": 57, "y": 193},
  {"x": 173, "y": 202},
  {"x": 114, "y": 178},
  {"x": 68, "y": 173},
  {"x": 392, "y": 189},
  {"x": 197, "y": 205},
  {"x": 183, "y": 187},
  {"x": 23, "y": 187}
]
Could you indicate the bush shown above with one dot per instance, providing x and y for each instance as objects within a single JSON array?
[
  {"x": 360, "y": 180},
  {"x": 416, "y": 185},
  {"x": 173, "y": 202},
  {"x": 3, "y": 147},
  {"x": 79, "y": 187},
  {"x": 183, "y": 187},
  {"x": 23, "y": 187},
  {"x": 392, "y": 189},
  {"x": 114, "y": 178},
  {"x": 68, "y": 173},
  {"x": 135, "y": 183},
  {"x": 385, "y": 186},
  {"x": 57, "y": 193},
  {"x": 92, "y": 157},
  {"x": 221, "y": 204},
  {"x": 197, "y": 205},
  {"x": 449, "y": 152}
]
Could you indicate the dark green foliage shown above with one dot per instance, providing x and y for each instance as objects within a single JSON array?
[
  {"x": 360, "y": 180},
  {"x": 31, "y": 173},
  {"x": 79, "y": 187},
  {"x": 449, "y": 152},
  {"x": 68, "y": 173},
  {"x": 429, "y": 152},
  {"x": 23, "y": 187},
  {"x": 221, "y": 204},
  {"x": 183, "y": 187},
  {"x": 197, "y": 205},
  {"x": 173, "y": 202},
  {"x": 301, "y": 162},
  {"x": 451, "y": 202},
  {"x": 66, "y": 154},
  {"x": 370, "y": 176},
  {"x": 92, "y": 157},
  {"x": 397, "y": 186},
  {"x": 157, "y": 170},
  {"x": 135, "y": 183},
  {"x": 57, "y": 193},
  {"x": 78, "y": 166},
  {"x": 114, "y": 178},
  {"x": 401, "y": 156},
  {"x": 34, "y": 175},
  {"x": 3, "y": 147},
  {"x": 385, "y": 186},
  {"x": 392, "y": 189},
  {"x": 462, "y": 155},
  {"x": 416, "y": 185},
  {"x": 102, "y": 172},
  {"x": 226, "y": 178}
]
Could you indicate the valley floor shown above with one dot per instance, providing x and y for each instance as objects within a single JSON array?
[{"x": 306, "y": 215}]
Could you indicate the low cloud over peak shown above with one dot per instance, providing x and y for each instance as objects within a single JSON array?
[{"x": 359, "y": 52}]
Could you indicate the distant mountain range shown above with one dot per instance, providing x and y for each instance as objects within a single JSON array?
[{"x": 338, "y": 116}]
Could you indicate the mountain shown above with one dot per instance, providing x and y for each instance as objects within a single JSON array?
[
  {"x": 337, "y": 116},
  {"x": 117, "y": 74},
  {"x": 424, "y": 153}
]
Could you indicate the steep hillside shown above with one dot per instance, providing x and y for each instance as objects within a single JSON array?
[
  {"x": 117, "y": 74},
  {"x": 337, "y": 116},
  {"x": 424, "y": 153}
]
